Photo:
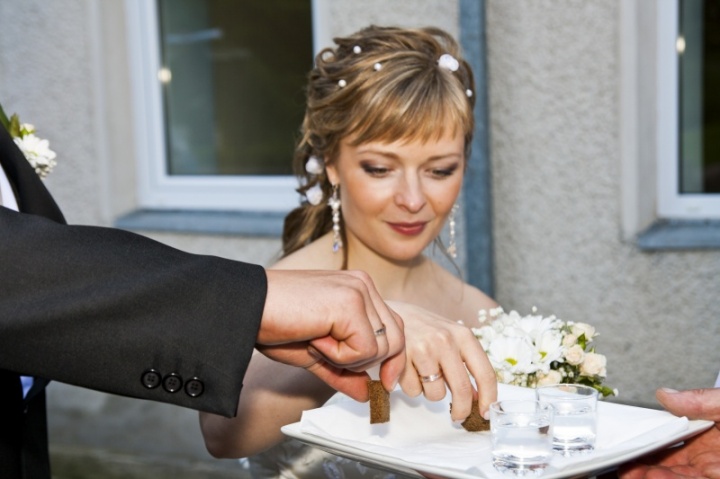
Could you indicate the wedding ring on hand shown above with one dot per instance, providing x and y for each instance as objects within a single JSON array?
[
  {"x": 380, "y": 332},
  {"x": 432, "y": 377}
]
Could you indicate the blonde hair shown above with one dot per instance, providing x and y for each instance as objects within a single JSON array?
[{"x": 379, "y": 84}]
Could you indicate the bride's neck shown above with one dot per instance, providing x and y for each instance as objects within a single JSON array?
[{"x": 394, "y": 280}]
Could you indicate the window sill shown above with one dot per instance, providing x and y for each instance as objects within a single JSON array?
[
  {"x": 240, "y": 223},
  {"x": 680, "y": 235}
]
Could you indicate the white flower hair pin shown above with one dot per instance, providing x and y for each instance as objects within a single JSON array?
[
  {"x": 36, "y": 150},
  {"x": 314, "y": 165},
  {"x": 448, "y": 62},
  {"x": 314, "y": 194}
]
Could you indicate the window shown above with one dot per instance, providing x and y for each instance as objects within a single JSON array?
[
  {"x": 688, "y": 109},
  {"x": 218, "y": 91}
]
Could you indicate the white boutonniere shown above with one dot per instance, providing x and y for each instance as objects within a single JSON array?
[{"x": 36, "y": 150}]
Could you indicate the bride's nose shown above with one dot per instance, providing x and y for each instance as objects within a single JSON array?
[{"x": 410, "y": 195}]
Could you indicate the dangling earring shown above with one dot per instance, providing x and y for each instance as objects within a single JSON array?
[
  {"x": 452, "y": 246},
  {"x": 334, "y": 203}
]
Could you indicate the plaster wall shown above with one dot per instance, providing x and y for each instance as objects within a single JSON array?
[{"x": 554, "y": 76}]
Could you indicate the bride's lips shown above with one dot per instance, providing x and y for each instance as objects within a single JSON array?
[{"x": 408, "y": 229}]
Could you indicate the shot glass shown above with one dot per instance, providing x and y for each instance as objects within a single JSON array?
[
  {"x": 521, "y": 436},
  {"x": 575, "y": 423}
]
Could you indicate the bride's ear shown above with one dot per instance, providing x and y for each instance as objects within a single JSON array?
[{"x": 332, "y": 175}]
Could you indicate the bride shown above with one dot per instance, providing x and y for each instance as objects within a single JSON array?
[{"x": 384, "y": 146}]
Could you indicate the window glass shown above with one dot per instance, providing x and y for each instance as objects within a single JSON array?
[
  {"x": 698, "y": 47},
  {"x": 233, "y": 74}
]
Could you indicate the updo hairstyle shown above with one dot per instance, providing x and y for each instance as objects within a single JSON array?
[{"x": 380, "y": 84}]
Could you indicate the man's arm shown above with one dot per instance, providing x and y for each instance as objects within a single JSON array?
[{"x": 114, "y": 311}]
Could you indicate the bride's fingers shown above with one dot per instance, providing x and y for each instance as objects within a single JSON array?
[
  {"x": 410, "y": 381},
  {"x": 460, "y": 352},
  {"x": 482, "y": 371},
  {"x": 433, "y": 382},
  {"x": 461, "y": 388}
]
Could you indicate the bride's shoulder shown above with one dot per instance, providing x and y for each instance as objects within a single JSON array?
[
  {"x": 316, "y": 255},
  {"x": 473, "y": 300},
  {"x": 468, "y": 299}
]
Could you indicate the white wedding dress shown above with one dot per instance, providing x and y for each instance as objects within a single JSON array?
[{"x": 293, "y": 459}]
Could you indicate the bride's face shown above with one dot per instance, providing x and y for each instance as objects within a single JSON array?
[{"x": 397, "y": 196}]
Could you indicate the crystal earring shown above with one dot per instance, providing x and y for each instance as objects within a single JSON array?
[
  {"x": 452, "y": 246},
  {"x": 334, "y": 203}
]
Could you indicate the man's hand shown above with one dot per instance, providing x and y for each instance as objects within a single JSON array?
[
  {"x": 334, "y": 324},
  {"x": 698, "y": 456}
]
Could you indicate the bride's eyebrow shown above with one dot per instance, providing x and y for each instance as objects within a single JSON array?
[
  {"x": 394, "y": 156},
  {"x": 374, "y": 151},
  {"x": 448, "y": 156}
]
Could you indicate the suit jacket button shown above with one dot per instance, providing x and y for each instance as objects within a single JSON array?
[
  {"x": 151, "y": 379},
  {"x": 172, "y": 383},
  {"x": 194, "y": 387}
]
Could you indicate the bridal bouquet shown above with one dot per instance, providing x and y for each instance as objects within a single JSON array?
[
  {"x": 534, "y": 350},
  {"x": 36, "y": 150}
]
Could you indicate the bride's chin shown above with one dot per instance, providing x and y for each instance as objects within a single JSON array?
[{"x": 405, "y": 256}]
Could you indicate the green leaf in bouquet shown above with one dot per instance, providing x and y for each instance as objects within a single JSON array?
[{"x": 604, "y": 390}]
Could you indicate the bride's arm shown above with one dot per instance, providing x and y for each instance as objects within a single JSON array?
[{"x": 273, "y": 395}]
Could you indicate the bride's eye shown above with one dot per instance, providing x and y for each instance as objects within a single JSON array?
[
  {"x": 374, "y": 170},
  {"x": 443, "y": 172}
]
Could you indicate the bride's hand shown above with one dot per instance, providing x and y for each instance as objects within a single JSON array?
[{"x": 437, "y": 346}]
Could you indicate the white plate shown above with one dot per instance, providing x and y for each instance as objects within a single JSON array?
[
  {"x": 587, "y": 468},
  {"x": 642, "y": 442}
]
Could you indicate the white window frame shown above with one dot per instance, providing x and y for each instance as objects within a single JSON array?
[
  {"x": 670, "y": 203},
  {"x": 156, "y": 189}
]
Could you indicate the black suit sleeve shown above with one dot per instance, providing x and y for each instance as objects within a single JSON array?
[{"x": 98, "y": 307}]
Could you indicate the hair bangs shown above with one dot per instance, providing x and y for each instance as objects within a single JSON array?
[{"x": 420, "y": 105}]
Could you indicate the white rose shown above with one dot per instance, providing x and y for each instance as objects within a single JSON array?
[
  {"x": 569, "y": 340},
  {"x": 578, "y": 329},
  {"x": 575, "y": 355},
  {"x": 552, "y": 377},
  {"x": 594, "y": 365}
]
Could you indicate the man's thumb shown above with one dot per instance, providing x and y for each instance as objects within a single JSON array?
[{"x": 693, "y": 403}]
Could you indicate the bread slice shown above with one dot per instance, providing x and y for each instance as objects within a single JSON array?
[
  {"x": 379, "y": 402},
  {"x": 475, "y": 422}
]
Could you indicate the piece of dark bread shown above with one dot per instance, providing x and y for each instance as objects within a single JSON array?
[
  {"x": 475, "y": 422},
  {"x": 379, "y": 402}
]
